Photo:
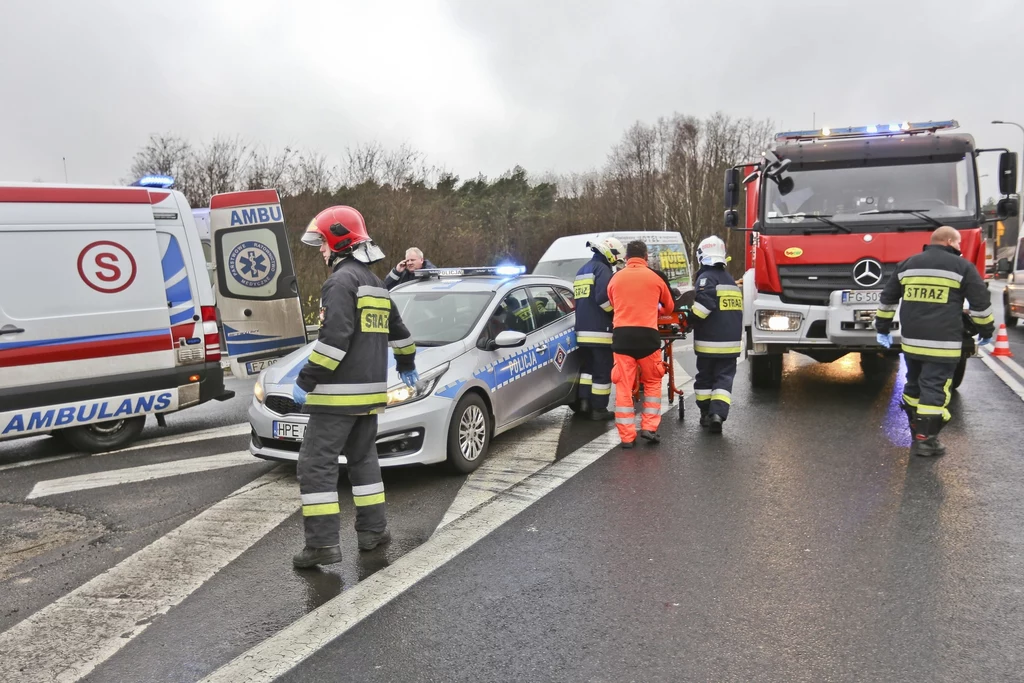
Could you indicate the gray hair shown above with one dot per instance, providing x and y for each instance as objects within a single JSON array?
[{"x": 415, "y": 251}]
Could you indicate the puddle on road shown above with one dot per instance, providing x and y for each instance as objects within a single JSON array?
[{"x": 28, "y": 531}]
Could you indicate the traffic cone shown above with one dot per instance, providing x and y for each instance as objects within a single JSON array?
[{"x": 1002, "y": 344}]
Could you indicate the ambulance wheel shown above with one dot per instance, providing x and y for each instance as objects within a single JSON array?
[
  {"x": 469, "y": 434},
  {"x": 105, "y": 436},
  {"x": 766, "y": 371}
]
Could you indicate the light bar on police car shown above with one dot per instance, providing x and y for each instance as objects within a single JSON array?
[
  {"x": 900, "y": 128},
  {"x": 502, "y": 271}
]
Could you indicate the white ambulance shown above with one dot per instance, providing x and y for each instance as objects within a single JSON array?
[{"x": 107, "y": 313}]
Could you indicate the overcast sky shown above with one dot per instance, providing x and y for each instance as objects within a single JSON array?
[{"x": 482, "y": 85}]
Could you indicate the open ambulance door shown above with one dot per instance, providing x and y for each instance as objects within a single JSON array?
[{"x": 257, "y": 292}]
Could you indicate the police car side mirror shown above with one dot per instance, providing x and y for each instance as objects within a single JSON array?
[{"x": 509, "y": 339}]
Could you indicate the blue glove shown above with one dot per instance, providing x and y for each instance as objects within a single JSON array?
[
  {"x": 411, "y": 378},
  {"x": 298, "y": 394},
  {"x": 884, "y": 339},
  {"x": 984, "y": 341}
]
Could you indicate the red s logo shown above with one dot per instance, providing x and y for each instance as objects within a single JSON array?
[{"x": 108, "y": 262}]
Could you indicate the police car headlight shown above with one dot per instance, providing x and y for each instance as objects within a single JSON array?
[
  {"x": 258, "y": 391},
  {"x": 428, "y": 382}
]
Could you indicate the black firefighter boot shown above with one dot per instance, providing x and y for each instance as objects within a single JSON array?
[
  {"x": 368, "y": 540},
  {"x": 311, "y": 557},
  {"x": 703, "y": 415},
  {"x": 926, "y": 440},
  {"x": 715, "y": 424}
]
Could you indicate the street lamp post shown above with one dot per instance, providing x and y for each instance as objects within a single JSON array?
[{"x": 1021, "y": 193}]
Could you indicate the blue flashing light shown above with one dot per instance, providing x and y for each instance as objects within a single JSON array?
[
  {"x": 510, "y": 271},
  {"x": 163, "y": 181},
  {"x": 884, "y": 129}
]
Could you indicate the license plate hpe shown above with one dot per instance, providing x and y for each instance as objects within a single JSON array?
[
  {"x": 861, "y": 296},
  {"x": 289, "y": 431}
]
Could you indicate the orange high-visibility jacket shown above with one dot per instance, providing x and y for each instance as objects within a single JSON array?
[{"x": 635, "y": 293}]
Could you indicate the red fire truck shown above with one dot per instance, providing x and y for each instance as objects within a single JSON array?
[{"x": 829, "y": 215}]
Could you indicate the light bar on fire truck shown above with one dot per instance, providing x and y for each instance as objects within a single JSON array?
[
  {"x": 881, "y": 129},
  {"x": 502, "y": 271}
]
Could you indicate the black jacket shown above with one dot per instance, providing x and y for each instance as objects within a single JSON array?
[
  {"x": 933, "y": 286},
  {"x": 717, "y": 314},
  {"x": 394, "y": 278},
  {"x": 347, "y": 372}
]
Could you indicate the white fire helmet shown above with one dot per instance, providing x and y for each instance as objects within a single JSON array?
[
  {"x": 611, "y": 248},
  {"x": 711, "y": 251}
]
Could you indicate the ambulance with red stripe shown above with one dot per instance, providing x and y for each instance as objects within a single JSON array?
[{"x": 107, "y": 313}]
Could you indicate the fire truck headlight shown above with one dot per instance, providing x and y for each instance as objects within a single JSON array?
[{"x": 778, "y": 321}]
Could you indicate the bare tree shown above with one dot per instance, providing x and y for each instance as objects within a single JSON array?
[
  {"x": 267, "y": 170},
  {"x": 165, "y": 154}
]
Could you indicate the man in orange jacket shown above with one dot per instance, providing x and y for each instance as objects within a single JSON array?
[{"x": 635, "y": 293}]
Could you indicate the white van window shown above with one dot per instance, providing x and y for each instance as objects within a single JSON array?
[
  {"x": 564, "y": 268},
  {"x": 176, "y": 285}
]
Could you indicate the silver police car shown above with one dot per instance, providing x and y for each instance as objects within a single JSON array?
[{"x": 494, "y": 348}]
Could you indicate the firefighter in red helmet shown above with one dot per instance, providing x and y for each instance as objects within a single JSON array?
[{"x": 343, "y": 387}]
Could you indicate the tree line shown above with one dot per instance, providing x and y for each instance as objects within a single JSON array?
[{"x": 665, "y": 175}]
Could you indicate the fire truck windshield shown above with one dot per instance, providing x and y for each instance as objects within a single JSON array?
[{"x": 873, "y": 196}]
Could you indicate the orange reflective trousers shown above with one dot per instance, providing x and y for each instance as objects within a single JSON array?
[{"x": 651, "y": 369}]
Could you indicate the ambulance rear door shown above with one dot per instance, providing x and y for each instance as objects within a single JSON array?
[{"x": 257, "y": 292}]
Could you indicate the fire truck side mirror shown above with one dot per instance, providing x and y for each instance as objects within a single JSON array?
[
  {"x": 785, "y": 186},
  {"x": 1007, "y": 207},
  {"x": 732, "y": 218},
  {"x": 1008, "y": 173},
  {"x": 732, "y": 188}
]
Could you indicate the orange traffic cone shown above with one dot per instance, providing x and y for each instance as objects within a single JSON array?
[{"x": 1002, "y": 344}]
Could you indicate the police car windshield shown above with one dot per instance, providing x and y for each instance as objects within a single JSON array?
[
  {"x": 563, "y": 268},
  {"x": 436, "y": 318},
  {"x": 871, "y": 198}
]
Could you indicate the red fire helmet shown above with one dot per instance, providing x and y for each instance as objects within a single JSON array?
[{"x": 342, "y": 227}]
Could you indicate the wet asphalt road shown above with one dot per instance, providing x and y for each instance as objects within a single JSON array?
[{"x": 801, "y": 545}]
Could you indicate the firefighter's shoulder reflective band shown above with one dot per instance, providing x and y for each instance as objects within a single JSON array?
[
  {"x": 607, "y": 306},
  {"x": 982, "y": 317},
  {"x": 701, "y": 311},
  {"x": 587, "y": 278},
  {"x": 329, "y": 351},
  {"x": 373, "y": 302},
  {"x": 403, "y": 347},
  {"x": 323, "y": 361}
]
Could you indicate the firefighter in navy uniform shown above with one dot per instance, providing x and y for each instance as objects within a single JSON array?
[
  {"x": 594, "y": 327},
  {"x": 933, "y": 286},
  {"x": 343, "y": 387},
  {"x": 716, "y": 319}
]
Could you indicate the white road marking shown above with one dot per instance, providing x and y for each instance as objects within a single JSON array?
[
  {"x": 131, "y": 475},
  {"x": 534, "y": 448},
  {"x": 1015, "y": 386},
  {"x": 40, "y": 461},
  {"x": 69, "y": 638},
  {"x": 286, "y": 649},
  {"x": 215, "y": 433},
  {"x": 1012, "y": 364}
]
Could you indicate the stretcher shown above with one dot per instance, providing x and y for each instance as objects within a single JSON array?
[{"x": 672, "y": 327}]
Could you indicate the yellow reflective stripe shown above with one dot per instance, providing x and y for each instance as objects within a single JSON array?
[
  {"x": 363, "y": 501},
  {"x": 584, "y": 279},
  {"x": 592, "y": 340},
  {"x": 607, "y": 307},
  {"x": 405, "y": 350},
  {"x": 910, "y": 400},
  {"x": 945, "y": 390},
  {"x": 885, "y": 315},
  {"x": 586, "y": 380},
  {"x": 703, "y": 398},
  {"x": 321, "y": 509},
  {"x": 373, "y": 302},
  {"x": 320, "y": 359},
  {"x": 601, "y": 392},
  {"x": 349, "y": 400},
  {"x": 721, "y": 349},
  {"x": 938, "y": 353},
  {"x": 721, "y": 397},
  {"x": 984, "y": 321},
  {"x": 925, "y": 280}
]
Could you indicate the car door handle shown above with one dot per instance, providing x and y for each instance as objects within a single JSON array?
[
  {"x": 543, "y": 348},
  {"x": 10, "y": 329}
]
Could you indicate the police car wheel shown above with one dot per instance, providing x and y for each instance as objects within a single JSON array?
[
  {"x": 469, "y": 434},
  {"x": 105, "y": 436},
  {"x": 1007, "y": 313}
]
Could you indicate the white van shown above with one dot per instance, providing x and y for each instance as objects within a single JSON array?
[
  {"x": 107, "y": 313},
  {"x": 665, "y": 251}
]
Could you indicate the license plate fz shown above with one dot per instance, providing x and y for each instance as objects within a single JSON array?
[
  {"x": 861, "y": 296},
  {"x": 257, "y": 366},
  {"x": 289, "y": 431}
]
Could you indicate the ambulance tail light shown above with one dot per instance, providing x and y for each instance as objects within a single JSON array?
[{"x": 210, "y": 335}]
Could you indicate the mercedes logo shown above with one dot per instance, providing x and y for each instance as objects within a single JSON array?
[{"x": 867, "y": 272}]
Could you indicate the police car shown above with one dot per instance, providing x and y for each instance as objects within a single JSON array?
[{"x": 494, "y": 348}]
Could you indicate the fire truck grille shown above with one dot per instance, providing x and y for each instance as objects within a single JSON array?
[{"x": 812, "y": 285}]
